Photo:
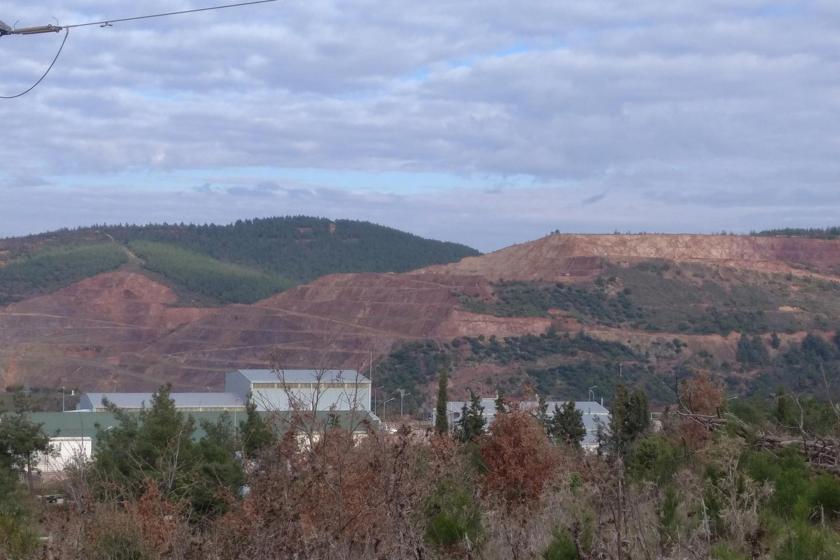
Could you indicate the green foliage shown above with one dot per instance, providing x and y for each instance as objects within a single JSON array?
[
  {"x": 255, "y": 432},
  {"x": 629, "y": 419},
  {"x": 18, "y": 539},
  {"x": 211, "y": 278},
  {"x": 561, "y": 547},
  {"x": 752, "y": 352},
  {"x": 528, "y": 299},
  {"x": 811, "y": 367},
  {"x": 411, "y": 367},
  {"x": 566, "y": 425},
  {"x": 157, "y": 445},
  {"x": 804, "y": 541},
  {"x": 667, "y": 512},
  {"x": 654, "y": 458},
  {"x": 52, "y": 269},
  {"x": 441, "y": 419},
  {"x": 472, "y": 421},
  {"x": 21, "y": 440},
  {"x": 302, "y": 248},
  {"x": 811, "y": 233},
  {"x": 120, "y": 543},
  {"x": 664, "y": 297},
  {"x": 452, "y": 516},
  {"x": 274, "y": 253}
]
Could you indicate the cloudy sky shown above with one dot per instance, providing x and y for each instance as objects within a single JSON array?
[{"x": 481, "y": 121}]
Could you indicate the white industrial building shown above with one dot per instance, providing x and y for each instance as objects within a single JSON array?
[
  {"x": 595, "y": 416},
  {"x": 64, "y": 452},
  {"x": 271, "y": 390}
]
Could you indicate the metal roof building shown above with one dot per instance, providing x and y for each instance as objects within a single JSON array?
[
  {"x": 272, "y": 390},
  {"x": 193, "y": 402}
]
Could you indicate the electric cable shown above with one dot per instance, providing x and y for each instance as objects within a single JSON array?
[
  {"x": 44, "y": 75},
  {"x": 106, "y": 22}
]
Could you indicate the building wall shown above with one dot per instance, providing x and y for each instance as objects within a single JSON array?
[
  {"x": 65, "y": 451},
  {"x": 237, "y": 383},
  {"x": 349, "y": 397}
]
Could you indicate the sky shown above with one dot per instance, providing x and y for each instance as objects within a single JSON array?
[{"x": 479, "y": 121}]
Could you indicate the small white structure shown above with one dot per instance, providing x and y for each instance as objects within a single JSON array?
[
  {"x": 595, "y": 416},
  {"x": 65, "y": 451}
]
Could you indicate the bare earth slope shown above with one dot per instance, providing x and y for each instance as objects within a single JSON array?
[
  {"x": 122, "y": 330},
  {"x": 558, "y": 257}
]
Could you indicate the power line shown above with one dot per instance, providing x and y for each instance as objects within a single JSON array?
[
  {"x": 106, "y": 22},
  {"x": 6, "y": 30},
  {"x": 44, "y": 75}
]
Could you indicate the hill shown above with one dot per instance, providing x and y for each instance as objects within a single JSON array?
[
  {"x": 210, "y": 264},
  {"x": 560, "y": 316}
]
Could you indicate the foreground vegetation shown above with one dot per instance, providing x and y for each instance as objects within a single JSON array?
[{"x": 703, "y": 482}]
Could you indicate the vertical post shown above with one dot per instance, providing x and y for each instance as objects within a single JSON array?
[{"x": 62, "y": 399}]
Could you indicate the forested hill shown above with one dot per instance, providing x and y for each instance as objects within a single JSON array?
[{"x": 241, "y": 262}]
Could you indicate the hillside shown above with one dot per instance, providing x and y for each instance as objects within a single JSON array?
[
  {"x": 210, "y": 264},
  {"x": 558, "y": 316}
]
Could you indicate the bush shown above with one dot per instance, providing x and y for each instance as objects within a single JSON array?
[
  {"x": 561, "y": 547},
  {"x": 452, "y": 516},
  {"x": 654, "y": 459},
  {"x": 804, "y": 541}
]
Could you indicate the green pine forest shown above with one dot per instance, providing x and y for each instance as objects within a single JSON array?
[{"x": 216, "y": 264}]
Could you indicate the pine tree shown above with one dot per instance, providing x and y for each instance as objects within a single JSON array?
[
  {"x": 472, "y": 422},
  {"x": 256, "y": 433},
  {"x": 629, "y": 419},
  {"x": 566, "y": 425},
  {"x": 441, "y": 420}
]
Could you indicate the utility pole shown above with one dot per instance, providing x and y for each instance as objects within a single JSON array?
[
  {"x": 402, "y": 397},
  {"x": 6, "y": 30}
]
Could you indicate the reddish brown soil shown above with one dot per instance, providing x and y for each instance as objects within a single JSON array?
[
  {"x": 559, "y": 257},
  {"x": 123, "y": 331}
]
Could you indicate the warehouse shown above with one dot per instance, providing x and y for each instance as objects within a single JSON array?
[{"x": 271, "y": 390}]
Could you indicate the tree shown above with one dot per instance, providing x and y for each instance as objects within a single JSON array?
[
  {"x": 629, "y": 418},
  {"x": 775, "y": 341},
  {"x": 751, "y": 352},
  {"x": 542, "y": 414},
  {"x": 518, "y": 458},
  {"x": 472, "y": 422},
  {"x": 21, "y": 441},
  {"x": 441, "y": 420},
  {"x": 500, "y": 403},
  {"x": 256, "y": 433},
  {"x": 157, "y": 446},
  {"x": 567, "y": 424}
]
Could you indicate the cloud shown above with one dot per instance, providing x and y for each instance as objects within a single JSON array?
[{"x": 673, "y": 108}]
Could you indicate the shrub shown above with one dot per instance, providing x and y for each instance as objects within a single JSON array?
[
  {"x": 452, "y": 516},
  {"x": 561, "y": 547}
]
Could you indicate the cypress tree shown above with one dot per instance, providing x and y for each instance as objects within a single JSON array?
[{"x": 441, "y": 421}]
